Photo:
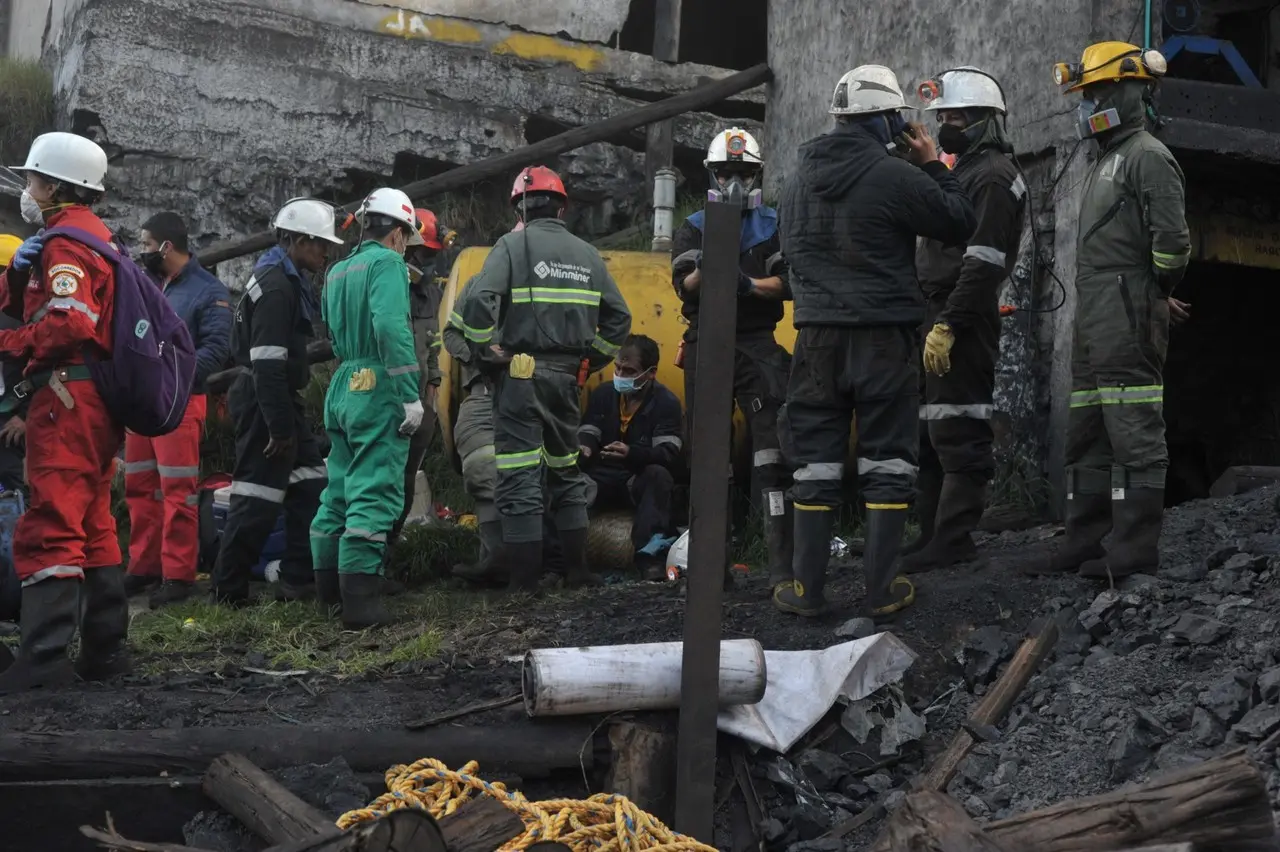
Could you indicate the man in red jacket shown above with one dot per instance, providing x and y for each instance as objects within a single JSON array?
[{"x": 65, "y": 549}]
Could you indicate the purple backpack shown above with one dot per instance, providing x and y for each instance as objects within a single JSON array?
[{"x": 146, "y": 382}]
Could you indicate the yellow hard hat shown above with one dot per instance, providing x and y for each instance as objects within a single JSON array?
[
  {"x": 8, "y": 245},
  {"x": 1108, "y": 62}
]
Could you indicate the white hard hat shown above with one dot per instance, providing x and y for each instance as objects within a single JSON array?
[
  {"x": 308, "y": 216},
  {"x": 678, "y": 556},
  {"x": 67, "y": 157},
  {"x": 395, "y": 205},
  {"x": 865, "y": 90},
  {"x": 965, "y": 87},
  {"x": 734, "y": 145}
]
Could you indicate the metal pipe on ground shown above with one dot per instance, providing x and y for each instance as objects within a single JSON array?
[
  {"x": 606, "y": 679},
  {"x": 696, "y": 99}
]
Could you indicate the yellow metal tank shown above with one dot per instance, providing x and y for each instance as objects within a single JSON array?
[{"x": 645, "y": 281}]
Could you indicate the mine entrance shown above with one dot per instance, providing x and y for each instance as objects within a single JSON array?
[
  {"x": 1222, "y": 389},
  {"x": 708, "y": 35}
]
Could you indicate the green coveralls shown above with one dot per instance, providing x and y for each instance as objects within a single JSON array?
[
  {"x": 366, "y": 307},
  {"x": 559, "y": 304},
  {"x": 1132, "y": 248}
]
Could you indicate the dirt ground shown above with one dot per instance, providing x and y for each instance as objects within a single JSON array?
[{"x": 476, "y": 659}]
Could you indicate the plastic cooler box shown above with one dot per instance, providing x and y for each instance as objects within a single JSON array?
[{"x": 271, "y": 551}]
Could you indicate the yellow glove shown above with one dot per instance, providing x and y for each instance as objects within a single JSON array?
[{"x": 937, "y": 349}]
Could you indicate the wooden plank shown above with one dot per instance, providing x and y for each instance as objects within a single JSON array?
[
  {"x": 1221, "y": 804},
  {"x": 993, "y": 707},
  {"x": 524, "y": 748},
  {"x": 260, "y": 802},
  {"x": 713, "y": 399},
  {"x": 696, "y": 99},
  {"x": 480, "y": 825},
  {"x": 643, "y": 766}
]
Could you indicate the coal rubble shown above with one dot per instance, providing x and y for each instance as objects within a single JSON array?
[{"x": 1154, "y": 674}]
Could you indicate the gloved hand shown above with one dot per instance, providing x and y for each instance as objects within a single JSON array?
[
  {"x": 745, "y": 284},
  {"x": 413, "y": 412},
  {"x": 27, "y": 253},
  {"x": 937, "y": 349}
]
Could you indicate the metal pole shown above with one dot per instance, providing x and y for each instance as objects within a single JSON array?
[{"x": 712, "y": 430}]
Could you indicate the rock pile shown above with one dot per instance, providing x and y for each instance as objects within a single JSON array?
[{"x": 1157, "y": 673}]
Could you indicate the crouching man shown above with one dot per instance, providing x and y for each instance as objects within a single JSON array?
[{"x": 631, "y": 446}]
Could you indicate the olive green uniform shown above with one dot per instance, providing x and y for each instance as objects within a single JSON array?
[
  {"x": 1132, "y": 249},
  {"x": 546, "y": 294}
]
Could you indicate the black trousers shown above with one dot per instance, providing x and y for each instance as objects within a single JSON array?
[
  {"x": 840, "y": 371},
  {"x": 260, "y": 489},
  {"x": 649, "y": 493},
  {"x": 956, "y": 409}
]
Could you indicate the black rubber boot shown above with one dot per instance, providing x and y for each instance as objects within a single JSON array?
[
  {"x": 778, "y": 536},
  {"x": 489, "y": 568},
  {"x": 576, "y": 573},
  {"x": 959, "y": 511},
  {"x": 49, "y": 611},
  {"x": 928, "y": 495},
  {"x": 887, "y": 591},
  {"x": 136, "y": 584},
  {"x": 328, "y": 592},
  {"x": 1088, "y": 522},
  {"x": 362, "y": 605},
  {"x": 104, "y": 625},
  {"x": 813, "y": 529},
  {"x": 170, "y": 592},
  {"x": 525, "y": 561},
  {"x": 1135, "y": 544},
  {"x": 287, "y": 592}
]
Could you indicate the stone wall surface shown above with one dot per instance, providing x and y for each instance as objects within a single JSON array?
[{"x": 223, "y": 109}]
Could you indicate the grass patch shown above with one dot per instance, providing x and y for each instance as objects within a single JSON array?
[
  {"x": 26, "y": 102},
  {"x": 284, "y": 636}
]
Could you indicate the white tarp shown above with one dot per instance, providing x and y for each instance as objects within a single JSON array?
[{"x": 801, "y": 686}]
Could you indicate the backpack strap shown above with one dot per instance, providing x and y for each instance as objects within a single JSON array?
[{"x": 85, "y": 238}]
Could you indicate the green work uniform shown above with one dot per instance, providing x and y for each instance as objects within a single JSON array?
[
  {"x": 559, "y": 304},
  {"x": 1133, "y": 234},
  {"x": 366, "y": 307}
]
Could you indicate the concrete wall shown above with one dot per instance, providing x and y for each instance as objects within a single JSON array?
[
  {"x": 223, "y": 109},
  {"x": 580, "y": 20},
  {"x": 813, "y": 42}
]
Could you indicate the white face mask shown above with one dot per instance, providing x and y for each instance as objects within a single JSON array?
[{"x": 31, "y": 212}]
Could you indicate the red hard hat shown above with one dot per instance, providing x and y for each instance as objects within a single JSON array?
[
  {"x": 428, "y": 228},
  {"x": 537, "y": 179}
]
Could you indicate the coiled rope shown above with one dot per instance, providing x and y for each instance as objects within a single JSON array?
[{"x": 602, "y": 823}]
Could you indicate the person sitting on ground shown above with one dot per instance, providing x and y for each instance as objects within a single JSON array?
[{"x": 631, "y": 447}]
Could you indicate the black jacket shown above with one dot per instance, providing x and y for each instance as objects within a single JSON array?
[
  {"x": 849, "y": 221},
  {"x": 653, "y": 434},
  {"x": 273, "y": 323},
  {"x": 761, "y": 257},
  {"x": 965, "y": 278}
]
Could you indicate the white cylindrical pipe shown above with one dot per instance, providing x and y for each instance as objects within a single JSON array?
[
  {"x": 664, "y": 208},
  {"x": 609, "y": 678}
]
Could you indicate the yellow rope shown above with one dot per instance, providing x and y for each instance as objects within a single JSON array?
[{"x": 602, "y": 823}]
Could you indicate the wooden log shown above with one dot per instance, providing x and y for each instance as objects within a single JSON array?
[
  {"x": 660, "y": 141},
  {"x": 260, "y": 802},
  {"x": 1221, "y": 804},
  {"x": 709, "y": 523},
  {"x": 525, "y": 748},
  {"x": 696, "y": 99},
  {"x": 643, "y": 767},
  {"x": 398, "y": 831},
  {"x": 480, "y": 825},
  {"x": 932, "y": 822},
  {"x": 994, "y": 706}
]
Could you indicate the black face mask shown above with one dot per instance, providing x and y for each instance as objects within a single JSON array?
[
  {"x": 954, "y": 140},
  {"x": 152, "y": 261}
]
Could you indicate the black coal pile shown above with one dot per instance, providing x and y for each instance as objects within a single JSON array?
[
  {"x": 1156, "y": 673},
  {"x": 332, "y": 788}
]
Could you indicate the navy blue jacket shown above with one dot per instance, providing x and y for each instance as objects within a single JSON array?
[
  {"x": 653, "y": 435},
  {"x": 202, "y": 302}
]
